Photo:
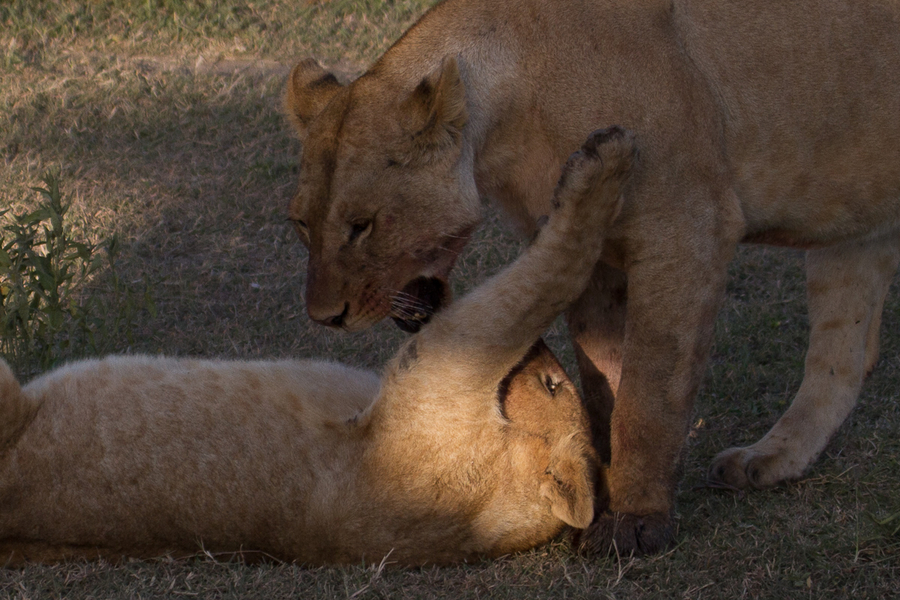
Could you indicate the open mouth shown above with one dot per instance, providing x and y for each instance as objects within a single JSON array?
[{"x": 419, "y": 300}]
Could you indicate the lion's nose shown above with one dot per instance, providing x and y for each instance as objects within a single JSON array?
[{"x": 334, "y": 320}]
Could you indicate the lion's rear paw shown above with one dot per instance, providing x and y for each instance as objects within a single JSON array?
[
  {"x": 747, "y": 468},
  {"x": 624, "y": 534}
]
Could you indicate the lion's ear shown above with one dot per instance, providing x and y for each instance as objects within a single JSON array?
[
  {"x": 570, "y": 490},
  {"x": 309, "y": 89},
  {"x": 436, "y": 110}
]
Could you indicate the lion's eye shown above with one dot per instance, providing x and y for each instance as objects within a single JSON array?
[
  {"x": 551, "y": 384},
  {"x": 301, "y": 228},
  {"x": 359, "y": 230}
]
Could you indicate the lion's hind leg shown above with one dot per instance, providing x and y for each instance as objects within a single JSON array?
[{"x": 846, "y": 287}]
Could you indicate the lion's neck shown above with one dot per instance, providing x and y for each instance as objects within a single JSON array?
[
  {"x": 488, "y": 59},
  {"x": 514, "y": 166}
]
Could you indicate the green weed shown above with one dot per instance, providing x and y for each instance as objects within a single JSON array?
[{"x": 44, "y": 270}]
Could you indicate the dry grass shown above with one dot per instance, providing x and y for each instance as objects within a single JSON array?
[{"x": 164, "y": 120}]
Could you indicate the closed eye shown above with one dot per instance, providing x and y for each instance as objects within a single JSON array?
[
  {"x": 359, "y": 230},
  {"x": 301, "y": 228}
]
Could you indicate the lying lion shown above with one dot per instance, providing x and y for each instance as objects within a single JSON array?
[{"x": 464, "y": 449}]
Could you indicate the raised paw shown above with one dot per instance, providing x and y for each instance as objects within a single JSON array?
[
  {"x": 627, "y": 535},
  {"x": 606, "y": 152},
  {"x": 618, "y": 140},
  {"x": 747, "y": 468},
  {"x": 593, "y": 175}
]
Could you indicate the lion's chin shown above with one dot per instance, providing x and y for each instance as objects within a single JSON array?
[{"x": 419, "y": 300}]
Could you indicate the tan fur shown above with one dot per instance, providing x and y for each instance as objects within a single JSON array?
[
  {"x": 464, "y": 449},
  {"x": 768, "y": 121}
]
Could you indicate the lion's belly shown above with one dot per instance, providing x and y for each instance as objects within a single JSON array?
[
  {"x": 804, "y": 182},
  {"x": 809, "y": 93},
  {"x": 829, "y": 211}
]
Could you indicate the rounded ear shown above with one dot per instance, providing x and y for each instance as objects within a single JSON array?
[
  {"x": 436, "y": 110},
  {"x": 309, "y": 89},
  {"x": 569, "y": 487}
]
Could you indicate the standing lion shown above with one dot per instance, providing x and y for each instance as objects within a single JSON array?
[{"x": 767, "y": 121}]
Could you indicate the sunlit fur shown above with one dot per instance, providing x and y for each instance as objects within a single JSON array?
[{"x": 470, "y": 445}]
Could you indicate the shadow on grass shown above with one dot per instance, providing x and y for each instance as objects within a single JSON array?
[{"x": 192, "y": 165}]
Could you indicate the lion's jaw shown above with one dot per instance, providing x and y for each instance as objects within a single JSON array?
[{"x": 386, "y": 201}]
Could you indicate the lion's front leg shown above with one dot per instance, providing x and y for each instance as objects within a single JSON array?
[
  {"x": 846, "y": 287},
  {"x": 672, "y": 304},
  {"x": 597, "y": 326}
]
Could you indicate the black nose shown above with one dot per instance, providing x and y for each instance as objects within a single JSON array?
[{"x": 336, "y": 320}]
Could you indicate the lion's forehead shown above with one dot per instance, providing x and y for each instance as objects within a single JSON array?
[{"x": 340, "y": 177}]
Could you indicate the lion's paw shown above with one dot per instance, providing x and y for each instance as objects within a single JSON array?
[
  {"x": 747, "y": 468},
  {"x": 613, "y": 147},
  {"x": 624, "y": 535},
  {"x": 595, "y": 172}
]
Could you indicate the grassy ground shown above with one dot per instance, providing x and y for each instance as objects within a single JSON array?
[{"x": 163, "y": 119}]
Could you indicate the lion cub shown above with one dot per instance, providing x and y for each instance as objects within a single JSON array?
[{"x": 470, "y": 445}]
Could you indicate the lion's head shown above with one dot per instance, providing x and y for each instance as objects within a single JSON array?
[
  {"x": 382, "y": 204},
  {"x": 546, "y": 412}
]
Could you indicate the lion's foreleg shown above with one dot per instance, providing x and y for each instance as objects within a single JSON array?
[
  {"x": 597, "y": 326},
  {"x": 846, "y": 287},
  {"x": 497, "y": 322},
  {"x": 675, "y": 290}
]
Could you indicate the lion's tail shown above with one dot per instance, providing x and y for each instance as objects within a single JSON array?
[{"x": 16, "y": 410}]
